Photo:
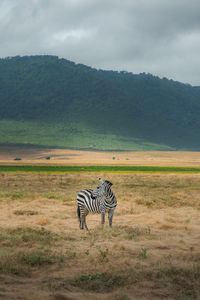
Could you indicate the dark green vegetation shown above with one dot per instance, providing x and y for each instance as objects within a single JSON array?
[
  {"x": 54, "y": 102},
  {"x": 110, "y": 169}
]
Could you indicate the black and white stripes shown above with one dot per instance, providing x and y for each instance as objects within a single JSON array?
[{"x": 100, "y": 200}]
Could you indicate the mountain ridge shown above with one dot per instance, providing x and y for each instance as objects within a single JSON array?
[{"x": 43, "y": 97}]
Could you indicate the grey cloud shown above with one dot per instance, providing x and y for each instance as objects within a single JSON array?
[{"x": 160, "y": 37}]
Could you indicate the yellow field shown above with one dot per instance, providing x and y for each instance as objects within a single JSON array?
[
  {"x": 76, "y": 157},
  {"x": 152, "y": 251}
]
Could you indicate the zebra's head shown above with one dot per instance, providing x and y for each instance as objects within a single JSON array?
[
  {"x": 105, "y": 183},
  {"x": 102, "y": 187},
  {"x": 108, "y": 183}
]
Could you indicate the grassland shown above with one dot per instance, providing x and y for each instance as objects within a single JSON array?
[
  {"x": 70, "y": 135},
  {"x": 92, "y": 169},
  {"x": 152, "y": 251}
]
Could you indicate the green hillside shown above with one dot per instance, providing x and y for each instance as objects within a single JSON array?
[{"x": 54, "y": 102}]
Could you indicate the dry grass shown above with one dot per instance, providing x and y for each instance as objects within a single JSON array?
[
  {"x": 37, "y": 156},
  {"x": 152, "y": 251}
]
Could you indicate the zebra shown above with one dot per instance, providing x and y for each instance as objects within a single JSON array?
[{"x": 100, "y": 200}]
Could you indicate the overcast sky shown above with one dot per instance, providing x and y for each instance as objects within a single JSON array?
[{"x": 161, "y": 37}]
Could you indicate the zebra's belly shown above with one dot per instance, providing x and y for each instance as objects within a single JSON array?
[
  {"x": 92, "y": 207},
  {"x": 98, "y": 211}
]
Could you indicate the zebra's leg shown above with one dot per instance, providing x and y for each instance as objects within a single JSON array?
[
  {"x": 82, "y": 218},
  {"x": 82, "y": 222},
  {"x": 86, "y": 226},
  {"x": 102, "y": 217},
  {"x": 86, "y": 212},
  {"x": 79, "y": 215},
  {"x": 110, "y": 216}
]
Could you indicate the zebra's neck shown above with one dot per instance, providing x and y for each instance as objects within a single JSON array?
[{"x": 110, "y": 198}]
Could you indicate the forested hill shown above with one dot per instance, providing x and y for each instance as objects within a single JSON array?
[{"x": 49, "y": 101}]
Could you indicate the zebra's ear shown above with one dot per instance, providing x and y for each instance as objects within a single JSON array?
[
  {"x": 101, "y": 181},
  {"x": 108, "y": 182}
]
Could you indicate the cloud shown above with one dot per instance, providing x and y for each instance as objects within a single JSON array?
[{"x": 159, "y": 37}]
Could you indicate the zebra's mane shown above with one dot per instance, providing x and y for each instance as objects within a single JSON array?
[{"x": 108, "y": 182}]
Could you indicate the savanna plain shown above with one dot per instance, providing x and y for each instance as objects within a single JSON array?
[{"x": 151, "y": 252}]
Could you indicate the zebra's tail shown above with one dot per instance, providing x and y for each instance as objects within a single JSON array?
[{"x": 78, "y": 212}]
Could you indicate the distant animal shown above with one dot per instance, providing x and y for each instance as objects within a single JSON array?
[{"x": 100, "y": 200}]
